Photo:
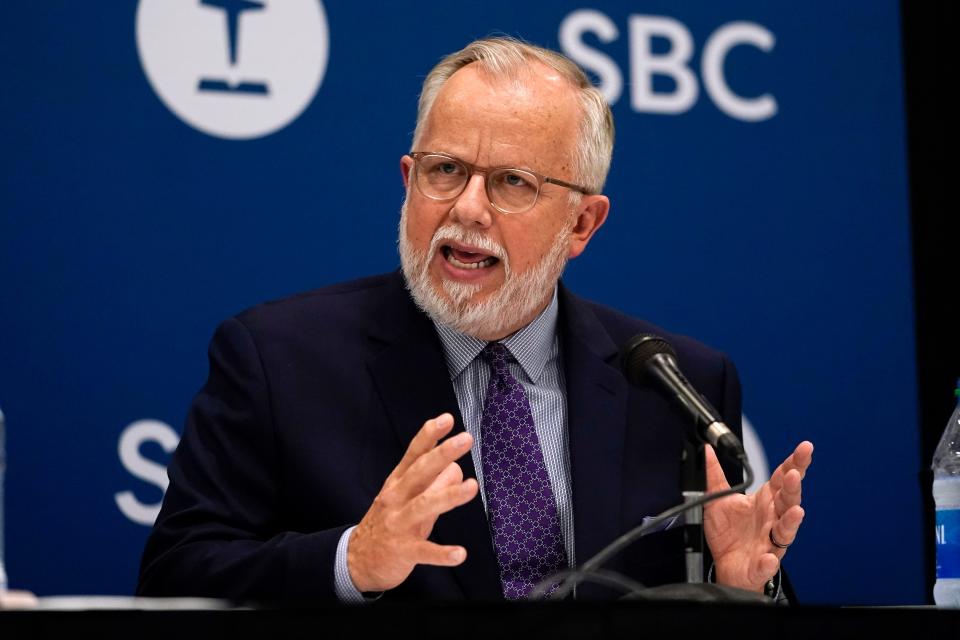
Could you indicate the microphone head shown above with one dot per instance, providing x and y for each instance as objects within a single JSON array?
[{"x": 638, "y": 350}]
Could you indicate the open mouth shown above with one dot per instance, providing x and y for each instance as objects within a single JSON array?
[{"x": 468, "y": 259}]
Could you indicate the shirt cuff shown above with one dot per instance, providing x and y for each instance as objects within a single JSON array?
[{"x": 343, "y": 585}]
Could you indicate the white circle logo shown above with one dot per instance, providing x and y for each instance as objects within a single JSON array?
[{"x": 235, "y": 69}]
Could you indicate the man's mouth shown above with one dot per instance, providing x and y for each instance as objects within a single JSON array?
[{"x": 467, "y": 259}]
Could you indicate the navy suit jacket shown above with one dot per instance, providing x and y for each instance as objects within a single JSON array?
[{"x": 311, "y": 402}]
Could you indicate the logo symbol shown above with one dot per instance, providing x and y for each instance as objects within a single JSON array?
[{"x": 236, "y": 69}]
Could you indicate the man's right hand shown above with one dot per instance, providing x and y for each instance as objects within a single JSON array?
[{"x": 391, "y": 539}]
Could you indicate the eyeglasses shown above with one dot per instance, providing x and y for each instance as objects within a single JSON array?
[{"x": 443, "y": 177}]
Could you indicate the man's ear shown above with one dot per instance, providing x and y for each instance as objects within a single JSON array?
[
  {"x": 406, "y": 166},
  {"x": 591, "y": 214}
]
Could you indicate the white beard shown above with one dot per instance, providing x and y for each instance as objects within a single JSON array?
[{"x": 516, "y": 301}]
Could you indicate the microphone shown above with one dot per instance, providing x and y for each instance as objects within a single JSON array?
[{"x": 649, "y": 358}]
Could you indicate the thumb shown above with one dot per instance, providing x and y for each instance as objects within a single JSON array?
[{"x": 716, "y": 480}]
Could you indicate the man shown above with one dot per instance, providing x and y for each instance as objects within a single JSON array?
[{"x": 326, "y": 457}]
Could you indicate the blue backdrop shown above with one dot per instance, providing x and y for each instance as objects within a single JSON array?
[{"x": 759, "y": 204}]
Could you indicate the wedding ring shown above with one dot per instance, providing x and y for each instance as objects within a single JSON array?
[{"x": 774, "y": 542}]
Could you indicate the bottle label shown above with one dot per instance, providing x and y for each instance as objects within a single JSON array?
[{"x": 948, "y": 543}]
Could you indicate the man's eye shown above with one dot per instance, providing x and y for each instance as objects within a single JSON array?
[
  {"x": 516, "y": 180},
  {"x": 447, "y": 167}
]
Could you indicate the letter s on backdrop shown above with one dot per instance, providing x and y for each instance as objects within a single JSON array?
[{"x": 143, "y": 468}]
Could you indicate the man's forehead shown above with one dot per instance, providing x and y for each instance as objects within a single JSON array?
[
  {"x": 506, "y": 116},
  {"x": 533, "y": 83}
]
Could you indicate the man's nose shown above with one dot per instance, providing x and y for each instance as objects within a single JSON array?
[{"x": 472, "y": 206}]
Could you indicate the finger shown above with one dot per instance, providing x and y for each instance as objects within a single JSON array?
[
  {"x": 427, "y": 552},
  {"x": 764, "y": 569},
  {"x": 451, "y": 475},
  {"x": 800, "y": 460},
  {"x": 789, "y": 494},
  {"x": 785, "y": 529},
  {"x": 424, "y": 471},
  {"x": 425, "y": 440},
  {"x": 716, "y": 480},
  {"x": 430, "y": 504}
]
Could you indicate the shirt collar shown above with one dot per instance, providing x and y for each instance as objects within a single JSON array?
[{"x": 532, "y": 345}]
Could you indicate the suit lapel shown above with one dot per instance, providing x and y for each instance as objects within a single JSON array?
[
  {"x": 597, "y": 416},
  {"x": 410, "y": 373}
]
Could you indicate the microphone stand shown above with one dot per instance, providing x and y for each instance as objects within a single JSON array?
[{"x": 693, "y": 485}]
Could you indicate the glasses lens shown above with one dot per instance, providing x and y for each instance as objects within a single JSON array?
[
  {"x": 440, "y": 177},
  {"x": 513, "y": 190}
]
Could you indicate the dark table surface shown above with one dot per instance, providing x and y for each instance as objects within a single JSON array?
[{"x": 491, "y": 621}]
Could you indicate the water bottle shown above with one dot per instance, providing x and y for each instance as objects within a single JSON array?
[
  {"x": 3, "y": 466},
  {"x": 946, "y": 495}
]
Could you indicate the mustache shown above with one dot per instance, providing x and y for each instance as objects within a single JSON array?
[{"x": 472, "y": 238}]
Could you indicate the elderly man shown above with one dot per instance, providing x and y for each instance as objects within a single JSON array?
[{"x": 343, "y": 436}]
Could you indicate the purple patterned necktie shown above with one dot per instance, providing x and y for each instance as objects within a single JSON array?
[{"x": 522, "y": 511}]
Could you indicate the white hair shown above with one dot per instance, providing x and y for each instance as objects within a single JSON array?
[
  {"x": 505, "y": 58},
  {"x": 515, "y": 301}
]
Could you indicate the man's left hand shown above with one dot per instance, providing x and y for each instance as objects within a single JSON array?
[{"x": 741, "y": 531}]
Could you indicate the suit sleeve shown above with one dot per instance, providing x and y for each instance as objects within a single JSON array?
[{"x": 219, "y": 533}]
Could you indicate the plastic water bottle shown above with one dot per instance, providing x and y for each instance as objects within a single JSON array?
[
  {"x": 946, "y": 495},
  {"x": 3, "y": 466}
]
